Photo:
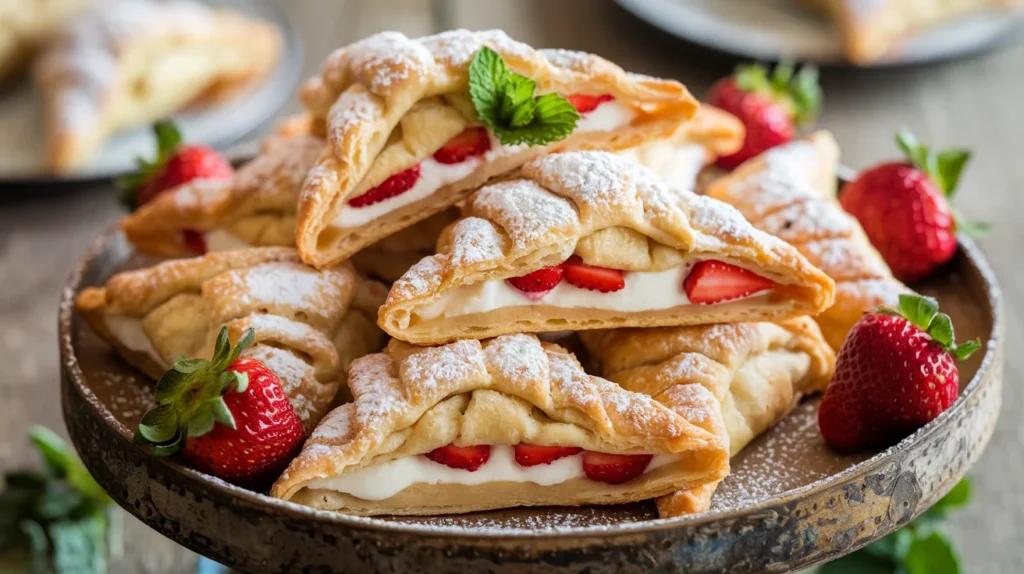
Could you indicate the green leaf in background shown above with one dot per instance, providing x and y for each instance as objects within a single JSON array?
[
  {"x": 933, "y": 554},
  {"x": 58, "y": 455},
  {"x": 859, "y": 563},
  {"x": 79, "y": 547}
]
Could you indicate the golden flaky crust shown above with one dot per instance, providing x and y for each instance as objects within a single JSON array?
[
  {"x": 391, "y": 257},
  {"x": 256, "y": 207},
  {"x": 366, "y": 90},
  {"x": 789, "y": 192},
  {"x": 309, "y": 324},
  {"x": 757, "y": 371},
  {"x": 613, "y": 213},
  {"x": 509, "y": 390},
  {"x": 26, "y": 26},
  {"x": 871, "y": 31},
  {"x": 115, "y": 67}
]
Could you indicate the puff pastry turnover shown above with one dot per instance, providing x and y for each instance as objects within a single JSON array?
[
  {"x": 24, "y": 27},
  {"x": 757, "y": 371},
  {"x": 390, "y": 106},
  {"x": 122, "y": 64},
  {"x": 789, "y": 192},
  {"x": 379, "y": 454},
  {"x": 604, "y": 211},
  {"x": 871, "y": 30},
  {"x": 309, "y": 324}
]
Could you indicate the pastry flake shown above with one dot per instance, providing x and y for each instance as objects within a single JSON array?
[
  {"x": 756, "y": 371},
  {"x": 404, "y": 140},
  {"x": 587, "y": 209},
  {"x": 789, "y": 192},
  {"x": 309, "y": 324},
  {"x": 370, "y": 457},
  {"x": 122, "y": 64}
]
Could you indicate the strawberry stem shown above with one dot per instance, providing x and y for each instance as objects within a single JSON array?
[
  {"x": 923, "y": 313},
  {"x": 799, "y": 91},
  {"x": 168, "y": 140}
]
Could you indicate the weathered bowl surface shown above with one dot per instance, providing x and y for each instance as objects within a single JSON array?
[{"x": 789, "y": 503}]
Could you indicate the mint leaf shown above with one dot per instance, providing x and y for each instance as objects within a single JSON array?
[
  {"x": 919, "y": 310},
  {"x": 505, "y": 102},
  {"x": 933, "y": 554}
]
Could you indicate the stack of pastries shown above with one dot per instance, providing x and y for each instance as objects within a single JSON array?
[{"x": 700, "y": 320}]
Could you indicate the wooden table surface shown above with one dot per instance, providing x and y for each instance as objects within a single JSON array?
[{"x": 971, "y": 103}]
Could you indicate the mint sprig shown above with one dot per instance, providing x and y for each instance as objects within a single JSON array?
[
  {"x": 505, "y": 102},
  {"x": 57, "y": 519},
  {"x": 923, "y": 313},
  {"x": 921, "y": 547}
]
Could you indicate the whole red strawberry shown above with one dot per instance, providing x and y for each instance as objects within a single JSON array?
[
  {"x": 770, "y": 106},
  {"x": 904, "y": 208},
  {"x": 228, "y": 416},
  {"x": 895, "y": 372},
  {"x": 174, "y": 165}
]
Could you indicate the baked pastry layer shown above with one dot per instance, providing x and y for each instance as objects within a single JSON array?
[
  {"x": 789, "y": 192},
  {"x": 611, "y": 213},
  {"x": 309, "y": 324},
  {"x": 387, "y": 103},
  {"x": 502, "y": 392},
  {"x": 122, "y": 64},
  {"x": 26, "y": 25},
  {"x": 757, "y": 371}
]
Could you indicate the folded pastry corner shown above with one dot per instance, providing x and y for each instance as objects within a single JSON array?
[
  {"x": 480, "y": 425},
  {"x": 309, "y": 324},
  {"x": 789, "y": 192},
  {"x": 405, "y": 139},
  {"x": 589, "y": 240},
  {"x": 757, "y": 371},
  {"x": 122, "y": 64}
]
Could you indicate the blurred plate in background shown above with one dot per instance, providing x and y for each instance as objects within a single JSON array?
[
  {"x": 772, "y": 29},
  {"x": 21, "y": 120}
]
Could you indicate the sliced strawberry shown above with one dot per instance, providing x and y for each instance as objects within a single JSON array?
[
  {"x": 714, "y": 281},
  {"x": 586, "y": 103},
  {"x": 532, "y": 455},
  {"x": 614, "y": 468},
  {"x": 465, "y": 457},
  {"x": 397, "y": 184},
  {"x": 194, "y": 240},
  {"x": 471, "y": 142},
  {"x": 593, "y": 277},
  {"x": 535, "y": 285}
]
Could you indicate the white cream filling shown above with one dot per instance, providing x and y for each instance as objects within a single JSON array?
[
  {"x": 435, "y": 175},
  {"x": 382, "y": 481},
  {"x": 221, "y": 240},
  {"x": 128, "y": 330}
]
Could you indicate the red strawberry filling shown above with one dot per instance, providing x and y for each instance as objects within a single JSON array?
[
  {"x": 397, "y": 184},
  {"x": 471, "y": 142},
  {"x": 463, "y": 457},
  {"x": 614, "y": 468},
  {"x": 532, "y": 455},
  {"x": 715, "y": 281},
  {"x": 592, "y": 277},
  {"x": 587, "y": 103},
  {"x": 194, "y": 241},
  {"x": 537, "y": 284}
]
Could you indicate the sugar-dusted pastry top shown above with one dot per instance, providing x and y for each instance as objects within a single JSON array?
[
  {"x": 256, "y": 207},
  {"x": 789, "y": 192},
  {"x": 309, "y": 324},
  {"x": 612, "y": 213},
  {"x": 25, "y": 25},
  {"x": 505, "y": 391},
  {"x": 387, "y": 102}
]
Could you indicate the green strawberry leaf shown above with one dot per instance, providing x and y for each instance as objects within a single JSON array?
[
  {"x": 505, "y": 102},
  {"x": 221, "y": 412},
  {"x": 970, "y": 228},
  {"x": 168, "y": 140},
  {"x": 799, "y": 91},
  {"x": 941, "y": 330},
  {"x": 944, "y": 168},
  {"x": 949, "y": 165},
  {"x": 920, "y": 311},
  {"x": 963, "y": 351},
  {"x": 932, "y": 554},
  {"x": 202, "y": 422}
]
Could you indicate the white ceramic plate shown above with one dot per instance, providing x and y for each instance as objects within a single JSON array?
[
  {"x": 21, "y": 144},
  {"x": 773, "y": 29}
]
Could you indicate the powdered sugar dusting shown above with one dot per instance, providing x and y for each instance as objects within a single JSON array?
[
  {"x": 518, "y": 358},
  {"x": 882, "y": 291},
  {"x": 594, "y": 179},
  {"x": 694, "y": 402},
  {"x": 714, "y": 218},
  {"x": 277, "y": 283},
  {"x": 526, "y": 211},
  {"x": 292, "y": 371},
  {"x": 421, "y": 278},
  {"x": 569, "y": 59},
  {"x": 385, "y": 60},
  {"x": 438, "y": 368},
  {"x": 475, "y": 241},
  {"x": 812, "y": 218}
]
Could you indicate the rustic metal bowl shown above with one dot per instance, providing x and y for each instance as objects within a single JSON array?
[{"x": 790, "y": 502}]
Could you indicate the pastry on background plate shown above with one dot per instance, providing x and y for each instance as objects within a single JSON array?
[
  {"x": 502, "y": 423},
  {"x": 414, "y": 125},
  {"x": 757, "y": 371},
  {"x": 309, "y": 324},
  {"x": 26, "y": 25},
  {"x": 125, "y": 64},
  {"x": 590, "y": 240},
  {"x": 789, "y": 192}
]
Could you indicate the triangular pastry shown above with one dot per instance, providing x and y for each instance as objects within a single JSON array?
[
  {"x": 789, "y": 192},
  {"x": 679, "y": 159},
  {"x": 405, "y": 140},
  {"x": 25, "y": 25},
  {"x": 871, "y": 29},
  {"x": 122, "y": 64},
  {"x": 391, "y": 257},
  {"x": 589, "y": 240},
  {"x": 757, "y": 371},
  {"x": 309, "y": 324},
  {"x": 507, "y": 422}
]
